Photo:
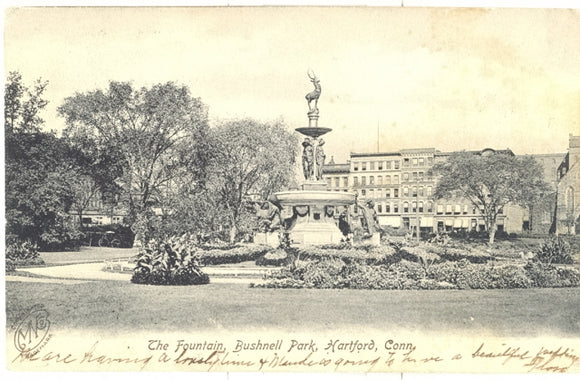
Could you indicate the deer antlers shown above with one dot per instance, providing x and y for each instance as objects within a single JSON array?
[{"x": 312, "y": 77}]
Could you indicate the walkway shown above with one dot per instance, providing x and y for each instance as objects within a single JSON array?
[{"x": 77, "y": 267}]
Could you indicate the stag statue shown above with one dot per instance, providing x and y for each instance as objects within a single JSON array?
[{"x": 314, "y": 95}]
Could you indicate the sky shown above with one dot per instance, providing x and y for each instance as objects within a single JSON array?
[{"x": 391, "y": 78}]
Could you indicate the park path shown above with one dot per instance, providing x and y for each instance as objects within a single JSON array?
[{"x": 89, "y": 265}]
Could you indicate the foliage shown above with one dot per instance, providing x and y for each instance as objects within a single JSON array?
[
  {"x": 123, "y": 233},
  {"x": 237, "y": 254},
  {"x": 248, "y": 159},
  {"x": 448, "y": 253},
  {"x": 170, "y": 262},
  {"x": 554, "y": 250},
  {"x": 374, "y": 255},
  {"x": 40, "y": 170},
  {"x": 549, "y": 276},
  {"x": 276, "y": 258},
  {"x": 22, "y": 252},
  {"x": 22, "y": 105},
  {"x": 489, "y": 182},
  {"x": 157, "y": 135}
]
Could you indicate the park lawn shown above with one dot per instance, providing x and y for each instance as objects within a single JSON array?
[
  {"x": 122, "y": 306},
  {"x": 87, "y": 255}
]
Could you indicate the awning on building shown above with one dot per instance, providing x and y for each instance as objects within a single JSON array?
[
  {"x": 426, "y": 221},
  {"x": 457, "y": 223},
  {"x": 449, "y": 222}
]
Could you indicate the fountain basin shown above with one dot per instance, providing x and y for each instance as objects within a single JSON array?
[{"x": 314, "y": 198}]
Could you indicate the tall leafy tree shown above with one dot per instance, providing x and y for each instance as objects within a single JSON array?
[
  {"x": 39, "y": 169},
  {"x": 490, "y": 182},
  {"x": 155, "y": 133},
  {"x": 249, "y": 158}
]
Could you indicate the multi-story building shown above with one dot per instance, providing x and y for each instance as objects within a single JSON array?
[{"x": 402, "y": 189}]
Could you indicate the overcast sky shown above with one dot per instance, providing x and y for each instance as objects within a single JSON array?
[{"x": 449, "y": 79}]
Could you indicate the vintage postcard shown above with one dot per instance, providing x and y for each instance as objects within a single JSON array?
[{"x": 292, "y": 189}]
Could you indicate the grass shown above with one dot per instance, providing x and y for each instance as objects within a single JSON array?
[
  {"x": 87, "y": 255},
  {"x": 119, "y": 306}
]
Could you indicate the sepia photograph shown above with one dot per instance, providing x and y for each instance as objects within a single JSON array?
[{"x": 321, "y": 189}]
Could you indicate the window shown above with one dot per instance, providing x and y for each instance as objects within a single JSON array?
[
  {"x": 421, "y": 191},
  {"x": 414, "y": 207},
  {"x": 405, "y": 191},
  {"x": 380, "y": 208},
  {"x": 372, "y": 180},
  {"x": 380, "y": 166},
  {"x": 429, "y": 206},
  {"x": 329, "y": 181},
  {"x": 396, "y": 208},
  {"x": 379, "y": 193},
  {"x": 355, "y": 181},
  {"x": 405, "y": 177},
  {"x": 379, "y": 180},
  {"x": 439, "y": 209},
  {"x": 406, "y": 163},
  {"x": 448, "y": 209},
  {"x": 387, "y": 193},
  {"x": 345, "y": 181},
  {"x": 421, "y": 176},
  {"x": 414, "y": 191},
  {"x": 363, "y": 193},
  {"x": 363, "y": 180},
  {"x": 465, "y": 209},
  {"x": 406, "y": 207},
  {"x": 429, "y": 160},
  {"x": 396, "y": 193},
  {"x": 395, "y": 179},
  {"x": 388, "y": 165},
  {"x": 371, "y": 193},
  {"x": 457, "y": 209},
  {"x": 421, "y": 161},
  {"x": 387, "y": 207},
  {"x": 473, "y": 210},
  {"x": 355, "y": 166},
  {"x": 429, "y": 191},
  {"x": 500, "y": 211},
  {"x": 414, "y": 162},
  {"x": 396, "y": 164},
  {"x": 387, "y": 179},
  {"x": 420, "y": 206},
  {"x": 337, "y": 181},
  {"x": 415, "y": 177},
  {"x": 364, "y": 166},
  {"x": 372, "y": 165}
]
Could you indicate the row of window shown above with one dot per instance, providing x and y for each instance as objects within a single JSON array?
[
  {"x": 376, "y": 165},
  {"x": 378, "y": 180},
  {"x": 413, "y": 191},
  {"x": 406, "y": 207},
  {"x": 392, "y": 164}
]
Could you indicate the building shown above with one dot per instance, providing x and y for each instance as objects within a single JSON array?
[
  {"x": 568, "y": 190},
  {"x": 402, "y": 189}
]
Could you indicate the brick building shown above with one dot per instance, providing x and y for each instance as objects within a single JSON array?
[{"x": 399, "y": 184}]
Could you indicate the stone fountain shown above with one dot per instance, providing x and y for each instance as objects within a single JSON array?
[{"x": 312, "y": 215}]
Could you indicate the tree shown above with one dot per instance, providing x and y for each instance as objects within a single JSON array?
[
  {"x": 39, "y": 170},
  {"x": 22, "y": 105},
  {"x": 249, "y": 158},
  {"x": 155, "y": 133},
  {"x": 490, "y": 182}
]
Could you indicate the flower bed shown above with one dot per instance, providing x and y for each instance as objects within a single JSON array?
[
  {"x": 237, "y": 254},
  {"x": 333, "y": 272}
]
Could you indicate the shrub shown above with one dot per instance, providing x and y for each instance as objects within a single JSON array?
[
  {"x": 22, "y": 253},
  {"x": 170, "y": 262},
  {"x": 368, "y": 255},
  {"x": 460, "y": 252},
  {"x": 277, "y": 258},
  {"x": 554, "y": 250},
  {"x": 548, "y": 276},
  {"x": 237, "y": 254},
  {"x": 10, "y": 266},
  {"x": 418, "y": 255}
]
